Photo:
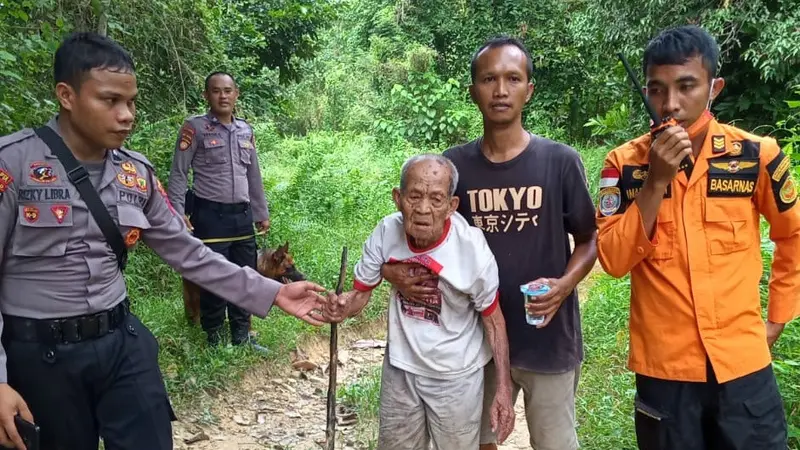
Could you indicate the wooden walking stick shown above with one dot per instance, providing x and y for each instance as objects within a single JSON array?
[{"x": 330, "y": 431}]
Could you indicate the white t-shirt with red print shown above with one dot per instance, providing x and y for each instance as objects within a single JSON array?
[{"x": 441, "y": 337}]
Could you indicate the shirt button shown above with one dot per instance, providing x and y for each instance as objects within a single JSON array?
[{"x": 639, "y": 250}]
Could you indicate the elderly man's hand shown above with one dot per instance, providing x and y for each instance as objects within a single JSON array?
[
  {"x": 336, "y": 308},
  {"x": 410, "y": 286},
  {"x": 502, "y": 414}
]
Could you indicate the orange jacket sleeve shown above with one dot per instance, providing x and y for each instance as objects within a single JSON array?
[
  {"x": 776, "y": 199},
  {"x": 622, "y": 242}
]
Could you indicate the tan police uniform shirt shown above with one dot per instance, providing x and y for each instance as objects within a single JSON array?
[
  {"x": 224, "y": 162},
  {"x": 54, "y": 260}
]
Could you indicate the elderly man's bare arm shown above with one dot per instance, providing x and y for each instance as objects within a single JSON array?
[{"x": 502, "y": 411}]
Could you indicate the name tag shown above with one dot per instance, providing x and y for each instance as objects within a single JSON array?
[
  {"x": 132, "y": 198},
  {"x": 732, "y": 177},
  {"x": 632, "y": 181},
  {"x": 55, "y": 194}
]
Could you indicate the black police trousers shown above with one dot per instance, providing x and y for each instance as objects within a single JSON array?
[
  {"x": 110, "y": 385},
  {"x": 217, "y": 220},
  {"x": 742, "y": 414}
]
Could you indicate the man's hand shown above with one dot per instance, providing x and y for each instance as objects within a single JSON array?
[
  {"x": 501, "y": 415},
  {"x": 263, "y": 226},
  {"x": 301, "y": 300},
  {"x": 399, "y": 275},
  {"x": 547, "y": 304},
  {"x": 188, "y": 223},
  {"x": 774, "y": 331},
  {"x": 10, "y": 404},
  {"x": 666, "y": 154}
]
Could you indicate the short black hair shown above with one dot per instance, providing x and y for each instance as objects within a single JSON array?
[
  {"x": 501, "y": 41},
  {"x": 213, "y": 74},
  {"x": 676, "y": 45},
  {"x": 81, "y": 52}
]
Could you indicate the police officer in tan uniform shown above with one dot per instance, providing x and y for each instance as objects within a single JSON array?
[
  {"x": 227, "y": 195},
  {"x": 74, "y": 359}
]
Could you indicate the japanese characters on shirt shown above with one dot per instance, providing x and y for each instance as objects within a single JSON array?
[{"x": 505, "y": 210}]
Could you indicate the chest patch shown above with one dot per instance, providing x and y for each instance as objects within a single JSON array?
[{"x": 732, "y": 177}]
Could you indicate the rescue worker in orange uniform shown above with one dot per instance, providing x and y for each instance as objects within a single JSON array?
[{"x": 681, "y": 215}]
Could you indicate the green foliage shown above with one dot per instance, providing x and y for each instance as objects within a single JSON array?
[
  {"x": 336, "y": 91},
  {"x": 758, "y": 40},
  {"x": 788, "y": 129},
  {"x": 363, "y": 396},
  {"x": 615, "y": 127},
  {"x": 275, "y": 34},
  {"x": 427, "y": 111},
  {"x": 175, "y": 44}
]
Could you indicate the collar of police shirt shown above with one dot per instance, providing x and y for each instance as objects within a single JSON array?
[{"x": 234, "y": 125}]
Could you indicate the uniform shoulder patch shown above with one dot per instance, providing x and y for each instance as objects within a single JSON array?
[
  {"x": 5, "y": 180},
  {"x": 188, "y": 130},
  {"x": 610, "y": 200},
  {"x": 13, "y": 138},
  {"x": 784, "y": 189}
]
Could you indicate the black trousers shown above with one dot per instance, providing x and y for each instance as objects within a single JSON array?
[
  {"x": 110, "y": 385},
  {"x": 743, "y": 414},
  {"x": 216, "y": 220}
]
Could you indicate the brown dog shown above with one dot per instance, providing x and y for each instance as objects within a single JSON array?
[{"x": 277, "y": 264}]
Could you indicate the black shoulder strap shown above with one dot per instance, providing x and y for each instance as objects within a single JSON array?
[{"x": 78, "y": 175}]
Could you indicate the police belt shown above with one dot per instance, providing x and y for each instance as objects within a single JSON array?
[
  {"x": 67, "y": 330},
  {"x": 223, "y": 208}
]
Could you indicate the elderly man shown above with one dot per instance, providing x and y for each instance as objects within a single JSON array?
[{"x": 432, "y": 382}]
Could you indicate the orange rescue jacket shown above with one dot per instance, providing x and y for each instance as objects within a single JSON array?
[{"x": 695, "y": 284}]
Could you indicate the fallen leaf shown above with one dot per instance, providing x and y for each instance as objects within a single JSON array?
[
  {"x": 197, "y": 438},
  {"x": 304, "y": 365}
]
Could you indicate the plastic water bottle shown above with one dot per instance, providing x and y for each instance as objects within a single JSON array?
[{"x": 531, "y": 291}]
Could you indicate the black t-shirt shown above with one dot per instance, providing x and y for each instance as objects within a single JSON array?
[{"x": 526, "y": 208}]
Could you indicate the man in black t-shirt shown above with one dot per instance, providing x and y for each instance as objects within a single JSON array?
[{"x": 527, "y": 194}]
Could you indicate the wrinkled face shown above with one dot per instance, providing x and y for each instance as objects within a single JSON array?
[
  {"x": 501, "y": 87},
  {"x": 680, "y": 91},
  {"x": 279, "y": 265},
  {"x": 103, "y": 109},
  {"x": 426, "y": 203},
  {"x": 221, "y": 95}
]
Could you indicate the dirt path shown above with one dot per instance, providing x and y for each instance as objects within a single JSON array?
[{"x": 283, "y": 407}]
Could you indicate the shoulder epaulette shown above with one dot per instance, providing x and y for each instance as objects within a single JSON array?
[
  {"x": 137, "y": 156},
  {"x": 13, "y": 138},
  {"x": 751, "y": 149}
]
